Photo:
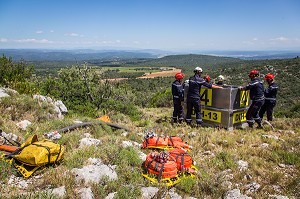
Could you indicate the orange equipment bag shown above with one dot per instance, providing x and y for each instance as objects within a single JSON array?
[
  {"x": 155, "y": 142},
  {"x": 177, "y": 142},
  {"x": 164, "y": 142},
  {"x": 160, "y": 164},
  {"x": 183, "y": 160}
]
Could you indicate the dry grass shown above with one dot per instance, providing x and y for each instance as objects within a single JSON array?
[{"x": 273, "y": 163}]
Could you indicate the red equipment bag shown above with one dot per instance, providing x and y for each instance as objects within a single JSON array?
[
  {"x": 168, "y": 141},
  {"x": 155, "y": 142},
  {"x": 183, "y": 160},
  {"x": 177, "y": 142},
  {"x": 160, "y": 164}
]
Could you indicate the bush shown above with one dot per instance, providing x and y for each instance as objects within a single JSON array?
[
  {"x": 15, "y": 75},
  {"x": 162, "y": 99},
  {"x": 293, "y": 112},
  {"x": 126, "y": 108}
]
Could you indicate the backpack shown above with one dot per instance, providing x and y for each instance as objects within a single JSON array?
[
  {"x": 34, "y": 154},
  {"x": 39, "y": 153}
]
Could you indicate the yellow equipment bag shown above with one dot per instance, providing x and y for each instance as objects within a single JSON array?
[
  {"x": 34, "y": 154},
  {"x": 39, "y": 153}
]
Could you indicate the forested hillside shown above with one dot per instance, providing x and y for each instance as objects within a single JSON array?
[{"x": 58, "y": 79}]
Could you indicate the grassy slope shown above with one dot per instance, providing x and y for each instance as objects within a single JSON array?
[{"x": 275, "y": 168}]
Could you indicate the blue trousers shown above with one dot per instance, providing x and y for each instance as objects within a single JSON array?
[
  {"x": 193, "y": 103},
  {"x": 178, "y": 111},
  {"x": 268, "y": 107},
  {"x": 252, "y": 113}
]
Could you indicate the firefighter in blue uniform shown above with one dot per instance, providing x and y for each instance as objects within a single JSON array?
[
  {"x": 220, "y": 80},
  {"x": 270, "y": 98},
  {"x": 178, "y": 97},
  {"x": 193, "y": 95},
  {"x": 256, "y": 88}
]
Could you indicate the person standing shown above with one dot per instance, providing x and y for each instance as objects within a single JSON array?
[
  {"x": 178, "y": 97},
  {"x": 193, "y": 95},
  {"x": 256, "y": 88},
  {"x": 270, "y": 97},
  {"x": 220, "y": 80}
]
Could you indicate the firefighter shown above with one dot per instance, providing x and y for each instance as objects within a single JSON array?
[
  {"x": 178, "y": 97},
  {"x": 193, "y": 95},
  {"x": 220, "y": 80},
  {"x": 270, "y": 97},
  {"x": 207, "y": 78},
  {"x": 256, "y": 88}
]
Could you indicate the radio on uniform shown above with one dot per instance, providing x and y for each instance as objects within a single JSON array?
[{"x": 225, "y": 107}]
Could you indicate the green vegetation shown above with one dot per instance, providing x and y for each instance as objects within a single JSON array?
[
  {"x": 15, "y": 75},
  {"x": 142, "y": 104}
]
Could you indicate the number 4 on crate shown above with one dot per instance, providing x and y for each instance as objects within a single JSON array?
[{"x": 206, "y": 97}]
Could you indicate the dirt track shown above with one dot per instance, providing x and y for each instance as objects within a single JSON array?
[
  {"x": 161, "y": 74},
  {"x": 166, "y": 73}
]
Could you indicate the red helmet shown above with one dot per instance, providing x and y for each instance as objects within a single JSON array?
[
  {"x": 207, "y": 78},
  {"x": 269, "y": 77},
  {"x": 179, "y": 76},
  {"x": 254, "y": 73}
]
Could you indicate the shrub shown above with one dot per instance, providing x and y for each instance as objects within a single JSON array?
[
  {"x": 15, "y": 74},
  {"x": 162, "y": 99}
]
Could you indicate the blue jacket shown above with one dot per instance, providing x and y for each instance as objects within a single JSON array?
[
  {"x": 195, "y": 83},
  {"x": 271, "y": 92},
  {"x": 256, "y": 88},
  {"x": 177, "y": 91}
]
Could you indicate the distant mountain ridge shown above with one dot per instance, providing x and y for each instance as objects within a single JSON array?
[
  {"x": 256, "y": 55},
  {"x": 74, "y": 55},
  {"x": 90, "y": 54}
]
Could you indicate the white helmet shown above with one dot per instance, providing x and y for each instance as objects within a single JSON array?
[
  {"x": 198, "y": 69},
  {"x": 220, "y": 78}
]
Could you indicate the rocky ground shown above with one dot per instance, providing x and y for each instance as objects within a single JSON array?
[{"x": 104, "y": 162}]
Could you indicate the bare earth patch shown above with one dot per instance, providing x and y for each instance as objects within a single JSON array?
[{"x": 167, "y": 73}]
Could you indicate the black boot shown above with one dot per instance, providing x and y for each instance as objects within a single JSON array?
[
  {"x": 259, "y": 126},
  {"x": 174, "y": 121}
]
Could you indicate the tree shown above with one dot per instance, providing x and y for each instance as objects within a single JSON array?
[{"x": 14, "y": 74}]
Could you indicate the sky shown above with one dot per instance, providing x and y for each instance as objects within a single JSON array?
[{"x": 178, "y": 25}]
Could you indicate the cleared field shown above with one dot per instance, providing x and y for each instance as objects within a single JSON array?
[
  {"x": 163, "y": 72},
  {"x": 166, "y": 73},
  {"x": 125, "y": 69}
]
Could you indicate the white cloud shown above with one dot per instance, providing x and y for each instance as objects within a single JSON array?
[
  {"x": 285, "y": 41},
  {"x": 108, "y": 42},
  {"x": 73, "y": 34},
  {"x": 40, "y": 41},
  {"x": 39, "y": 32},
  {"x": 248, "y": 42},
  {"x": 280, "y": 39},
  {"x": 3, "y": 40},
  {"x": 51, "y": 31},
  {"x": 252, "y": 41}
]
